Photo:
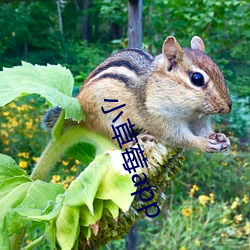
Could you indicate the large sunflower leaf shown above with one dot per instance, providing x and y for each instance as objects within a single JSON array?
[
  {"x": 53, "y": 82},
  {"x": 83, "y": 189},
  {"x": 67, "y": 226},
  {"x": 9, "y": 168}
]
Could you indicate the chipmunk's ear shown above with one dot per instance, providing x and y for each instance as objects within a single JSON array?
[
  {"x": 171, "y": 49},
  {"x": 197, "y": 43}
]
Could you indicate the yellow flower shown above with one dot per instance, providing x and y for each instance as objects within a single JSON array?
[
  {"x": 234, "y": 152},
  {"x": 77, "y": 162},
  {"x": 14, "y": 123},
  {"x": 24, "y": 154},
  {"x": 224, "y": 164},
  {"x": 193, "y": 190},
  {"x": 23, "y": 164},
  {"x": 235, "y": 203},
  {"x": 73, "y": 168},
  {"x": 223, "y": 235},
  {"x": 211, "y": 195},
  {"x": 238, "y": 159},
  {"x": 65, "y": 163},
  {"x": 4, "y": 134},
  {"x": 238, "y": 218},
  {"x": 12, "y": 105},
  {"x": 203, "y": 199},
  {"x": 245, "y": 199},
  {"x": 70, "y": 178},
  {"x": 23, "y": 107},
  {"x": 29, "y": 124},
  {"x": 182, "y": 248},
  {"x": 197, "y": 242},
  {"x": 55, "y": 178},
  {"x": 65, "y": 185},
  {"x": 187, "y": 211},
  {"x": 238, "y": 233},
  {"x": 6, "y": 113},
  {"x": 223, "y": 220},
  {"x": 35, "y": 159},
  {"x": 6, "y": 149},
  {"x": 247, "y": 227},
  {"x": 6, "y": 141}
]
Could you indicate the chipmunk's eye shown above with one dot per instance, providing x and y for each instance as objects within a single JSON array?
[{"x": 197, "y": 79}]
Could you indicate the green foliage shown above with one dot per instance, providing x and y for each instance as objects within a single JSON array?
[
  {"x": 19, "y": 198},
  {"x": 199, "y": 224},
  {"x": 30, "y": 32},
  {"x": 223, "y": 25},
  {"x": 52, "y": 82},
  {"x": 81, "y": 58}
]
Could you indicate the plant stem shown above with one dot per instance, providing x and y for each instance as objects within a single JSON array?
[{"x": 57, "y": 147}]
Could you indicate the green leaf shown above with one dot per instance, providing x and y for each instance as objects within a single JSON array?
[
  {"x": 53, "y": 82},
  {"x": 20, "y": 197},
  {"x": 83, "y": 152},
  {"x": 39, "y": 194},
  {"x": 6, "y": 186},
  {"x": 57, "y": 129},
  {"x": 86, "y": 218},
  {"x": 83, "y": 189},
  {"x": 9, "y": 168},
  {"x": 14, "y": 198},
  {"x": 104, "y": 179},
  {"x": 4, "y": 240},
  {"x": 112, "y": 208},
  {"x": 26, "y": 202},
  {"x": 67, "y": 226},
  {"x": 50, "y": 234},
  {"x": 14, "y": 223},
  {"x": 45, "y": 216},
  {"x": 86, "y": 231},
  {"x": 116, "y": 186}
]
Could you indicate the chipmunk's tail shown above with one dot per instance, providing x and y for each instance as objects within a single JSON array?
[{"x": 50, "y": 117}]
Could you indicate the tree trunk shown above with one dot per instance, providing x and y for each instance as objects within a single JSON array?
[
  {"x": 131, "y": 238},
  {"x": 85, "y": 20},
  {"x": 135, "y": 23},
  {"x": 26, "y": 51},
  {"x": 59, "y": 16}
]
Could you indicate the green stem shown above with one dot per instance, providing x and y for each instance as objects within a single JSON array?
[{"x": 57, "y": 147}]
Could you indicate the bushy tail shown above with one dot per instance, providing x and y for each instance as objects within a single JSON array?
[{"x": 50, "y": 118}]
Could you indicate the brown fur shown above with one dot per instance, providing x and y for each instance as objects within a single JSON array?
[{"x": 158, "y": 94}]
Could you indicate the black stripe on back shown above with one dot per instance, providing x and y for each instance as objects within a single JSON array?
[
  {"x": 118, "y": 63},
  {"x": 142, "y": 53},
  {"x": 118, "y": 77}
]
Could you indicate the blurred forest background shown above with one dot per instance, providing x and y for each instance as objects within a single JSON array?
[{"x": 208, "y": 204}]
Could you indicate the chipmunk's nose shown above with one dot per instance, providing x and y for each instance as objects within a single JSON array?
[{"x": 227, "y": 108}]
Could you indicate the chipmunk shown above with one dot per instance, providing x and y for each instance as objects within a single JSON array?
[{"x": 170, "y": 96}]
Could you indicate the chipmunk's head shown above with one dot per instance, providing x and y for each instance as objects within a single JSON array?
[{"x": 197, "y": 77}]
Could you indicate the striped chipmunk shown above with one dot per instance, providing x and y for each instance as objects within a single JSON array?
[{"x": 169, "y": 97}]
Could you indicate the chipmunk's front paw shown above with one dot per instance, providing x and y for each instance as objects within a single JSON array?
[
  {"x": 141, "y": 139},
  {"x": 218, "y": 142}
]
